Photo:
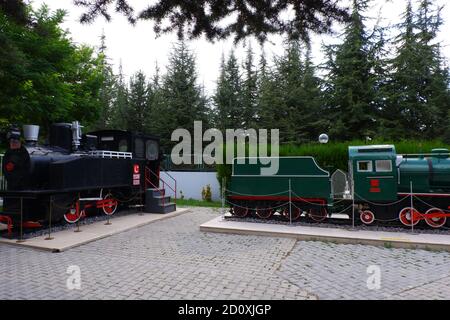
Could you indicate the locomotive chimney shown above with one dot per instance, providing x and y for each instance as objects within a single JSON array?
[
  {"x": 76, "y": 135},
  {"x": 31, "y": 133}
]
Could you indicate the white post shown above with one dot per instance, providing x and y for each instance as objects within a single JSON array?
[
  {"x": 290, "y": 203},
  {"x": 223, "y": 198},
  {"x": 353, "y": 204},
  {"x": 412, "y": 208}
]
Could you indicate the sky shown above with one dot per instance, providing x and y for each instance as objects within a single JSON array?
[{"x": 137, "y": 47}]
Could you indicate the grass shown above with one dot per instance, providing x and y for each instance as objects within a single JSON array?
[{"x": 198, "y": 203}]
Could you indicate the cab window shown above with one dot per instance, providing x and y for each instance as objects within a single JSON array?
[
  {"x": 383, "y": 165},
  {"x": 139, "y": 148},
  {"x": 123, "y": 145},
  {"x": 364, "y": 166},
  {"x": 152, "y": 151}
]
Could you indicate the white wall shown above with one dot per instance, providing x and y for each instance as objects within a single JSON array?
[{"x": 192, "y": 183}]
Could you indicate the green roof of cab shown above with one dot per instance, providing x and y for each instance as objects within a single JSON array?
[{"x": 372, "y": 152}]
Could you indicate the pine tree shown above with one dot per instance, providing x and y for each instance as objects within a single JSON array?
[
  {"x": 107, "y": 93},
  {"x": 249, "y": 90},
  {"x": 289, "y": 74},
  {"x": 350, "y": 81},
  {"x": 419, "y": 92},
  {"x": 120, "y": 106},
  {"x": 157, "y": 119},
  {"x": 183, "y": 98},
  {"x": 269, "y": 96},
  {"x": 228, "y": 95},
  {"x": 219, "y": 19},
  {"x": 138, "y": 108},
  {"x": 311, "y": 115}
]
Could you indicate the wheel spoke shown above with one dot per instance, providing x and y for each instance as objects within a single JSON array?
[
  {"x": 293, "y": 214},
  {"x": 239, "y": 211},
  {"x": 367, "y": 217},
  {"x": 406, "y": 215},
  {"x": 318, "y": 215},
  {"x": 264, "y": 213},
  {"x": 111, "y": 206},
  {"x": 435, "y": 222}
]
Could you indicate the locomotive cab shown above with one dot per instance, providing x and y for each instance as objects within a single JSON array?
[
  {"x": 374, "y": 173},
  {"x": 144, "y": 148}
]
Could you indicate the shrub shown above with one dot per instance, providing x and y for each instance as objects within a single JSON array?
[{"x": 206, "y": 193}]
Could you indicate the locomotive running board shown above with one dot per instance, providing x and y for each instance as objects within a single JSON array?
[
  {"x": 67, "y": 239},
  {"x": 404, "y": 239}
]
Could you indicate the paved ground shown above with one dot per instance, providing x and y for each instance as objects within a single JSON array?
[{"x": 172, "y": 259}]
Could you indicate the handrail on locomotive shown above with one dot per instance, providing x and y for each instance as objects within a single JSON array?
[{"x": 149, "y": 173}]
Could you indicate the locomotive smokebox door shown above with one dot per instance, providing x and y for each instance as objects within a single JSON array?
[{"x": 374, "y": 171}]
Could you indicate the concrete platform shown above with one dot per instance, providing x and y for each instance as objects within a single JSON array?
[
  {"x": 337, "y": 235},
  {"x": 67, "y": 239}
]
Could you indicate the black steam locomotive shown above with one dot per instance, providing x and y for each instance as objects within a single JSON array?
[{"x": 75, "y": 174}]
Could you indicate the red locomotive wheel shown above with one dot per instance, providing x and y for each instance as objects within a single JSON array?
[
  {"x": 318, "y": 215},
  {"x": 112, "y": 207},
  {"x": 264, "y": 213},
  {"x": 72, "y": 216},
  {"x": 405, "y": 216},
  {"x": 367, "y": 217},
  {"x": 295, "y": 212},
  {"x": 435, "y": 222},
  {"x": 240, "y": 211}
]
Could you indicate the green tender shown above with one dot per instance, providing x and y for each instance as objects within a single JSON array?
[{"x": 307, "y": 179}]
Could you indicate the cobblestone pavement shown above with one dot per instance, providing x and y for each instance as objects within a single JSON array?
[{"x": 172, "y": 259}]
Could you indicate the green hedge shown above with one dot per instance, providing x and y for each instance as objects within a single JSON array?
[{"x": 334, "y": 155}]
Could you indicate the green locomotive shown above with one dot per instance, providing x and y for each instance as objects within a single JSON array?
[{"x": 380, "y": 185}]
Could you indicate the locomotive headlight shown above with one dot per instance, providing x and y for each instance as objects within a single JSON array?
[
  {"x": 323, "y": 138},
  {"x": 10, "y": 166}
]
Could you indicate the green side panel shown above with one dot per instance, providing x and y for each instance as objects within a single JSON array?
[
  {"x": 307, "y": 179},
  {"x": 305, "y": 187},
  {"x": 374, "y": 185},
  {"x": 287, "y": 166},
  {"x": 416, "y": 172},
  {"x": 440, "y": 179},
  {"x": 426, "y": 174}
]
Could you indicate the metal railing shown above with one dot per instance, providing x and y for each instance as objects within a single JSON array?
[
  {"x": 174, "y": 189},
  {"x": 111, "y": 154},
  {"x": 149, "y": 173},
  {"x": 3, "y": 185}
]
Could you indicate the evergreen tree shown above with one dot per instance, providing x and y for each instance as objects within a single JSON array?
[
  {"x": 107, "y": 94},
  {"x": 228, "y": 96},
  {"x": 267, "y": 97},
  {"x": 311, "y": 115},
  {"x": 183, "y": 99},
  {"x": 289, "y": 74},
  {"x": 137, "y": 106},
  {"x": 219, "y": 19},
  {"x": 418, "y": 97},
  {"x": 249, "y": 90},
  {"x": 350, "y": 91},
  {"x": 120, "y": 105}
]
